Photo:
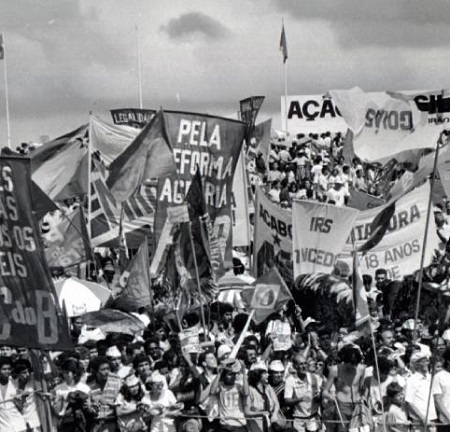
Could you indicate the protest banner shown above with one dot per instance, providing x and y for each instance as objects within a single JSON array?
[
  {"x": 249, "y": 109},
  {"x": 240, "y": 210},
  {"x": 272, "y": 243},
  {"x": 132, "y": 116},
  {"x": 190, "y": 341},
  {"x": 110, "y": 139},
  {"x": 319, "y": 234},
  {"x": 29, "y": 314},
  {"x": 386, "y": 123},
  {"x": 281, "y": 335},
  {"x": 311, "y": 114},
  {"x": 400, "y": 249},
  {"x": 213, "y": 144}
]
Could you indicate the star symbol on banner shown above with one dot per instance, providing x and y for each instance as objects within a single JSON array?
[{"x": 276, "y": 240}]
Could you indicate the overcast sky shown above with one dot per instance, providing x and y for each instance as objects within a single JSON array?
[{"x": 68, "y": 57}]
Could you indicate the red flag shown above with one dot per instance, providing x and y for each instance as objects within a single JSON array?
[
  {"x": 362, "y": 315},
  {"x": 148, "y": 156},
  {"x": 283, "y": 45},
  {"x": 378, "y": 227},
  {"x": 269, "y": 295},
  {"x": 136, "y": 292}
]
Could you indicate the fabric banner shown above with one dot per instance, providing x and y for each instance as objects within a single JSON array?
[
  {"x": 110, "y": 139},
  {"x": 138, "y": 218},
  {"x": 240, "y": 213},
  {"x": 68, "y": 243},
  {"x": 213, "y": 144},
  {"x": 262, "y": 138},
  {"x": 249, "y": 109},
  {"x": 362, "y": 200},
  {"x": 272, "y": 243},
  {"x": 319, "y": 235},
  {"x": 132, "y": 116},
  {"x": 29, "y": 314},
  {"x": 386, "y": 123},
  {"x": 399, "y": 252}
]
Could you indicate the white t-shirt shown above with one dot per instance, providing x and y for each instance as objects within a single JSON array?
[
  {"x": 441, "y": 386},
  {"x": 62, "y": 391},
  {"x": 417, "y": 389},
  {"x": 161, "y": 423}
]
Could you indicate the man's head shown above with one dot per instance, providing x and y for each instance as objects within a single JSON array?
[
  {"x": 276, "y": 372},
  {"x": 115, "y": 358},
  {"x": 5, "y": 369},
  {"x": 153, "y": 348},
  {"x": 300, "y": 365},
  {"x": 101, "y": 368},
  {"x": 22, "y": 371},
  {"x": 380, "y": 277},
  {"x": 387, "y": 338},
  {"x": 420, "y": 362},
  {"x": 141, "y": 364},
  {"x": 230, "y": 371}
]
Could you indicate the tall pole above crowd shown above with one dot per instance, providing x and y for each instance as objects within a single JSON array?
[
  {"x": 5, "y": 74},
  {"x": 139, "y": 67},
  {"x": 284, "y": 52}
]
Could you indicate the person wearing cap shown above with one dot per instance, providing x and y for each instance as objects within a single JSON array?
[
  {"x": 129, "y": 409},
  {"x": 441, "y": 392},
  {"x": 417, "y": 391},
  {"x": 115, "y": 361},
  {"x": 277, "y": 372},
  {"x": 160, "y": 404},
  {"x": 231, "y": 396},
  {"x": 262, "y": 409},
  {"x": 302, "y": 392},
  {"x": 337, "y": 193}
]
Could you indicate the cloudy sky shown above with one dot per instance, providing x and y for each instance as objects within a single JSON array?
[{"x": 66, "y": 58}]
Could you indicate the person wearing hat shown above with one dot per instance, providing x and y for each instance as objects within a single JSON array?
[
  {"x": 277, "y": 372},
  {"x": 417, "y": 391},
  {"x": 231, "y": 396},
  {"x": 115, "y": 361},
  {"x": 129, "y": 410},
  {"x": 262, "y": 409},
  {"x": 337, "y": 193},
  {"x": 160, "y": 404}
]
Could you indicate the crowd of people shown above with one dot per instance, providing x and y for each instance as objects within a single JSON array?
[{"x": 309, "y": 377}]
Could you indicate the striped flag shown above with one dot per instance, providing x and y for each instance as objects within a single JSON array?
[
  {"x": 283, "y": 45},
  {"x": 105, "y": 211}
]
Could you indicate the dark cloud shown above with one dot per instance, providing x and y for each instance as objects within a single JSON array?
[
  {"x": 400, "y": 23},
  {"x": 195, "y": 23}
]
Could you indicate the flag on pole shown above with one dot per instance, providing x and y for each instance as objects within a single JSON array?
[
  {"x": 2, "y": 48},
  {"x": 283, "y": 45},
  {"x": 136, "y": 292},
  {"x": 362, "y": 315},
  {"x": 269, "y": 295}
]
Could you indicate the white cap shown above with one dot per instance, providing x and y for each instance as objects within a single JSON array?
[
  {"x": 446, "y": 335},
  {"x": 259, "y": 365},
  {"x": 113, "y": 352},
  {"x": 222, "y": 351},
  {"x": 309, "y": 320}
]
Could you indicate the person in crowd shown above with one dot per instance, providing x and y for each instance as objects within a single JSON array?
[
  {"x": 26, "y": 399},
  {"x": 396, "y": 416},
  {"x": 70, "y": 397},
  {"x": 232, "y": 396},
  {"x": 348, "y": 380},
  {"x": 441, "y": 392},
  {"x": 302, "y": 393},
  {"x": 262, "y": 408},
  {"x": 417, "y": 391},
  {"x": 115, "y": 361},
  {"x": 130, "y": 406},
  {"x": 104, "y": 390},
  {"x": 161, "y": 404},
  {"x": 142, "y": 367},
  {"x": 11, "y": 417}
]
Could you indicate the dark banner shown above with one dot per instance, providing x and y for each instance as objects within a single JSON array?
[
  {"x": 29, "y": 314},
  {"x": 213, "y": 144},
  {"x": 132, "y": 116},
  {"x": 249, "y": 109}
]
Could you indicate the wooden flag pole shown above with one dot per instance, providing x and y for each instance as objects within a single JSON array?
[
  {"x": 425, "y": 236},
  {"x": 5, "y": 74},
  {"x": 197, "y": 277},
  {"x": 239, "y": 342}
]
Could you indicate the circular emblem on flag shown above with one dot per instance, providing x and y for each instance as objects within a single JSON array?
[{"x": 265, "y": 296}]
